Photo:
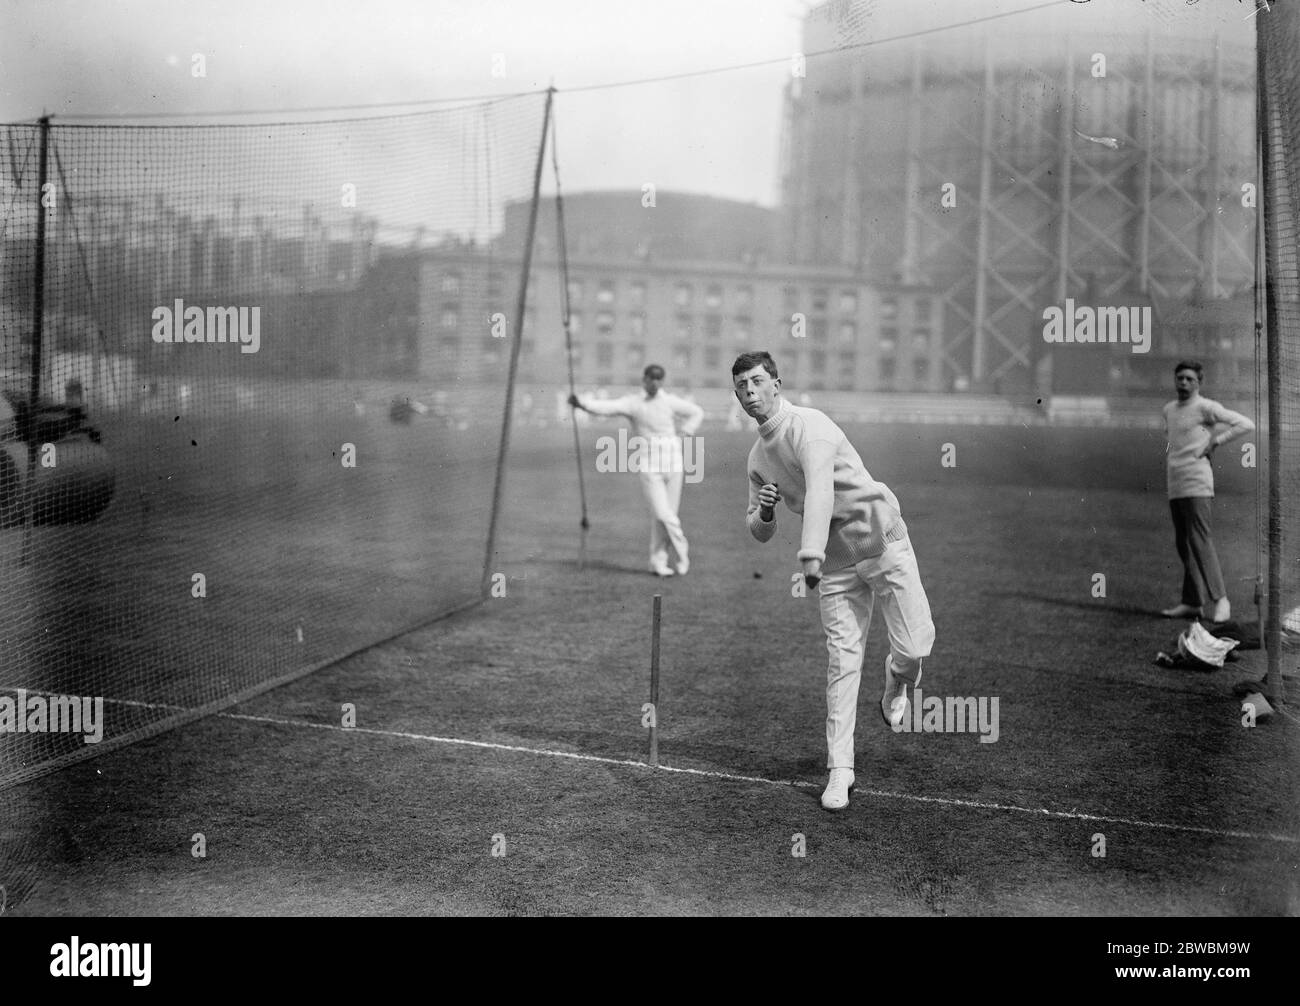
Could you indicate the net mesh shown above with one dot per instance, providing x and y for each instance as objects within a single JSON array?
[
  {"x": 270, "y": 380},
  {"x": 1279, "y": 96}
]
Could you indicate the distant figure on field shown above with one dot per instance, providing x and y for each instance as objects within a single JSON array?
[
  {"x": 1190, "y": 424},
  {"x": 654, "y": 416}
]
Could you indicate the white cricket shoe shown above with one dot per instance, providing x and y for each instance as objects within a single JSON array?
[
  {"x": 893, "y": 704},
  {"x": 836, "y": 796},
  {"x": 661, "y": 571}
]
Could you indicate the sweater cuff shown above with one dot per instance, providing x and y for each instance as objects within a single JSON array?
[{"x": 810, "y": 553}]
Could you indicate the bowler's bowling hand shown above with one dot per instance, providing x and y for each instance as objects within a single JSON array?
[
  {"x": 812, "y": 572},
  {"x": 769, "y": 496},
  {"x": 573, "y": 400}
]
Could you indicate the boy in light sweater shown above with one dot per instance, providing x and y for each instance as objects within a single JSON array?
[
  {"x": 1190, "y": 424},
  {"x": 854, "y": 544}
]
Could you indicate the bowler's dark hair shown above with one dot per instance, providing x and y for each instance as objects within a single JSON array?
[
  {"x": 748, "y": 361},
  {"x": 654, "y": 372},
  {"x": 1191, "y": 365}
]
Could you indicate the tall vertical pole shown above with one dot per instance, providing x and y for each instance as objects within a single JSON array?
[
  {"x": 38, "y": 301},
  {"x": 515, "y": 343},
  {"x": 38, "y": 342},
  {"x": 982, "y": 232},
  {"x": 1266, "y": 126},
  {"x": 1065, "y": 167},
  {"x": 1148, "y": 156},
  {"x": 656, "y": 621}
]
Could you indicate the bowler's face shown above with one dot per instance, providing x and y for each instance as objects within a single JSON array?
[
  {"x": 652, "y": 385},
  {"x": 1187, "y": 384},
  {"x": 757, "y": 392}
]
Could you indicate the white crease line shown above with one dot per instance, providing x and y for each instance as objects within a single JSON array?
[{"x": 733, "y": 777}]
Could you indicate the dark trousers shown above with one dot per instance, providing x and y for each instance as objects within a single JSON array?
[{"x": 1202, "y": 577}]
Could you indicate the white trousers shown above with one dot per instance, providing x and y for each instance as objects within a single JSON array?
[
  {"x": 663, "y": 491},
  {"x": 846, "y": 600}
]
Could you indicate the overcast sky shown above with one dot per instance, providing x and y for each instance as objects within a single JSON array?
[{"x": 717, "y": 134}]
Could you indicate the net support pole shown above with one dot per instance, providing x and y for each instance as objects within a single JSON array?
[
  {"x": 38, "y": 345},
  {"x": 1265, "y": 122},
  {"x": 515, "y": 344}
]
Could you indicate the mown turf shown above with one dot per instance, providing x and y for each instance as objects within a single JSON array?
[{"x": 302, "y": 820}]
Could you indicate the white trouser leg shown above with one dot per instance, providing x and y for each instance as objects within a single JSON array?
[
  {"x": 846, "y": 601},
  {"x": 896, "y": 581},
  {"x": 663, "y": 491},
  {"x": 845, "y": 604}
]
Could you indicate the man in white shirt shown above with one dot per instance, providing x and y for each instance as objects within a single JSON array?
[
  {"x": 1195, "y": 426},
  {"x": 655, "y": 415}
]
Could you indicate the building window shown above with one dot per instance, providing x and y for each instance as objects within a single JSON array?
[
  {"x": 575, "y": 322},
  {"x": 605, "y": 292},
  {"x": 887, "y": 368},
  {"x": 921, "y": 309},
  {"x": 681, "y": 357},
  {"x": 921, "y": 368},
  {"x": 713, "y": 326},
  {"x": 493, "y": 284},
  {"x": 450, "y": 285},
  {"x": 636, "y": 325},
  {"x": 682, "y": 294},
  {"x": 848, "y": 333},
  {"x": 848, "y": 302},
  {"x": 526, "y": 347},
  {"x": 604, "y": 354},
  {"x": 744, "y": 298},
  {"x": 817, "y": 329},
  {"x": 791, "y": 299},
  {"x": 848, "y": 363},
  {"x": 636, "y": 355},
  {"x": 741, "y": 329},
  {"x": 605, "y": 322},
  {"x": 713, "y": 297},
  {"x": 684, "y": 328},
  {"x": 451, "y": 343},
  {"x": 819, "y": 299},
  {"x": 817, "y": 361},
  {"x": 711, "y": 357},
  {"x": 637, "y": 294},
  {"x": 575, "y": 291},
  {"x": 889, "y": 308},
  {"x": 921, "y": 339},
  {"x": 888, "y": 339},
  {"x": 449, "y": 319}
]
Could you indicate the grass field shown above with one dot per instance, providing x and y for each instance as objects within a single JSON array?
[{"x": 515, "y": 727}]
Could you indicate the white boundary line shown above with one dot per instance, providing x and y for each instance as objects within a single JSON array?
[
  {"x": 1067, "y": 815},
  {"x": 1070, "y": 815}
]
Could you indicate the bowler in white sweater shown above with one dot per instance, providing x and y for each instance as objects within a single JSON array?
[
  {"x": 655, "y": 415},
  {"x": 854, "y": 547}
]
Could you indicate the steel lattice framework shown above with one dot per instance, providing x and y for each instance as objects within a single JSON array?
[{"x": 1009, "y": 176}]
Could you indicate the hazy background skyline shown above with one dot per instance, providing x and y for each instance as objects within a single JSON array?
[{"x": 718, "y": 134}]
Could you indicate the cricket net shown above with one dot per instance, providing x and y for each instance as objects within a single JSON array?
[
  {"x": 253, "y": 381},
  {"x": 1278, "y": 41}
]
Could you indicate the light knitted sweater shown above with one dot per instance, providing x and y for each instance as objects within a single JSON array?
[
  {"x": 847, "y": 515},
  {"x": 1190, "y": 426}
]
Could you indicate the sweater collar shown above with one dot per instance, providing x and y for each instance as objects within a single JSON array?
[{"x": 768, "y": 429}]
